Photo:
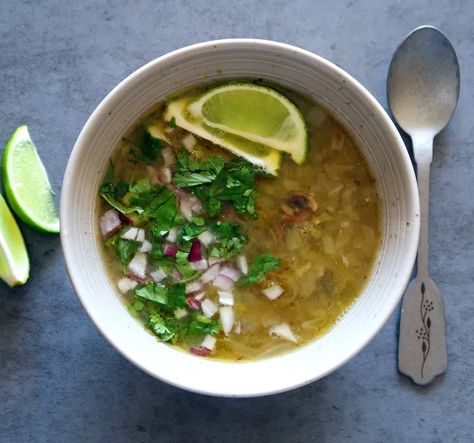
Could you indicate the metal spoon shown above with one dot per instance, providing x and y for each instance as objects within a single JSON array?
[{"x": 423, "y": 90}]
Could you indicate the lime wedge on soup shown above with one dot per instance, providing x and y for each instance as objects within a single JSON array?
[
  {"x": 14, "y": 262},
  {"x": 26, "y": 183},
  {"x": 257, "y": 153},
  {"x": 256, "y": 113}
]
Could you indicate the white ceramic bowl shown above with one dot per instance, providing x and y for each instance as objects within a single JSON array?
[{"x": 309, "y": 75}]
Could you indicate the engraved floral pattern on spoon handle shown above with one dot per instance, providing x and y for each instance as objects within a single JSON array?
[{"x": 424, "y": 333}]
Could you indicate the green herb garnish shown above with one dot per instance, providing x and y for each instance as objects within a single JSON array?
[
  {"x": 230, "y": 240},
  {"x": 213, "y": 181},
  {"x": 258, "y": 268},
  {"x": 126, "y": 249}
]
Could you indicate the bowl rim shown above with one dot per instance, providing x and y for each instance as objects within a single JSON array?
[{"x": 250, "y": 43}]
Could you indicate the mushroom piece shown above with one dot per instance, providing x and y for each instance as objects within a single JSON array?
[{"x": 299, "y": 207}]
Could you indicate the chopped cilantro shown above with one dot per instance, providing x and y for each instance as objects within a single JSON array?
[
  {"x": 160, "y": 327},
  {"x": 150, "y": 148},
  {"x": 125, "y": 249},
  {"x": 257, "y": 269},
  {"x": 200, "y": 326},
  {"x": 184, "y": 267},
  {"x": 191, "y": 173},
  {"x": 172, "y": 122},
  {"x": 230, "y": 241},
  {"x": 213, "y": 181},
  {"x": 169, "y": 298}
]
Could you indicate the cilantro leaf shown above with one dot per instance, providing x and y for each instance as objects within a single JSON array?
[
  {"x": 150, "y": 148},
  {"x": 168, "y": 298},
  {"x": 177, "y": 296},
  {"x": 257, "y": 269},
  {"x": 200, "y": 326},
  {"x": 184, "y": 267},
  {"x": 164, "y": 212},
  {"x": 154, "y": 292},
  {"x": 172, "y": 122},
  {"x": 161, "y": 328},
  {"x": 125, "y": 249},
  {"x": 213, "y": 181},
  {"x": 191, "y": 173},
  {"x": 109, "y": 191},
  {"x": 189, "y": 231},
  {"x": 230, "y": 240}
]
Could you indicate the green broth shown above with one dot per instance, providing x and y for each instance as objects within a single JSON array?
[{"x": 325, "y": 261}]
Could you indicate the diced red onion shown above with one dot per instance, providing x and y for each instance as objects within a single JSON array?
[
  {"x": 283, "y": 331},
  {"x": 209, "y": 308},
  {"x": 199, "y": 350},
  {"x": 223, "y": 282},
  {"x": 170, "y": 250},
  {"x": 196, "y": 205},
  {"x": 168, "y": 156},
  {"x": 206, "y": 238},
  {"x": 109, "y": 223},
  {"x": 195, "y": 253},
  {"x": 242, "y": 264},
  {"x": 176, "y": 274},
  {"x": 226, "y": 298},
  {"x": 138, "y": 265},
  {"x": 180, "y": 313},
  {"x": 130, "y": 234},
  {"x": 229, "y": 271},
  {"x": 180, "y": 192},
  {"x": 140, "y": 235},
  {"x": 189, "y": 141},
  {"x": 238, "y": 327},
  {"x": 172, "y": 235},
  {"x": 211, "y": 273},
  {"x": 193, "y": 303},
  {"x": 194, "y": 286},
  {"x": 185, "y": 209},
  {"x": 273, "y": 292},
  {"x": 213, "y": 260},
  {"x": 158, "y": 275},
  {"x": 125, "y": 220},
  {"x": 199, "y": 296},
  {"x": 226, "y": 317},
  {"x": 164, "y": 175},
  {"x": 200, "y": 265},
  {"x": 146, "y": 246},
  {"x": 209, "y": 342},
  {"x": 126, "y": 284}
]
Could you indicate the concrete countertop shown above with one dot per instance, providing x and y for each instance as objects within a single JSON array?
[{"x": 59, "y": 378}]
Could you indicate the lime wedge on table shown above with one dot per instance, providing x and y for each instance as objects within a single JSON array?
[
  {"x": 14, "y": 263},
  {"x": 267, "y": 158},
  {"x": 256, "y": 113},
  {"x": 26, "y": 183}
]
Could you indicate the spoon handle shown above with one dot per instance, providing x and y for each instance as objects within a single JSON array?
[
  {"x": 422, "y": 352},
  {"x": 423, "y": 155}
]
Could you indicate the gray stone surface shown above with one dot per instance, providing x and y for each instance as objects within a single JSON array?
[{"x": 61, "y": 381}]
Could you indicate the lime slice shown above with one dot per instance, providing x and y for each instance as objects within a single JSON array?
[
  {"x": 259, "y": 154},
  {"x": 14, "y": 263},
  {"x": 256, "y": 113},
  {"x": 26, "y": 183}
]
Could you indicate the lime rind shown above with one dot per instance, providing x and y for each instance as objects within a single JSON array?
[
  {"x": 262, "y": 156},
  {"x": 14, "y": 261},
  {"x": 26, "y": 183},
  {"x": 291, "y": 136}
]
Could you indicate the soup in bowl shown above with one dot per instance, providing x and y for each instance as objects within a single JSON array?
[{"x": 239, "y": 217}]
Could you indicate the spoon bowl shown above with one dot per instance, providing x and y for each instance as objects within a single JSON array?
[{"x": 423, "y": 82}]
